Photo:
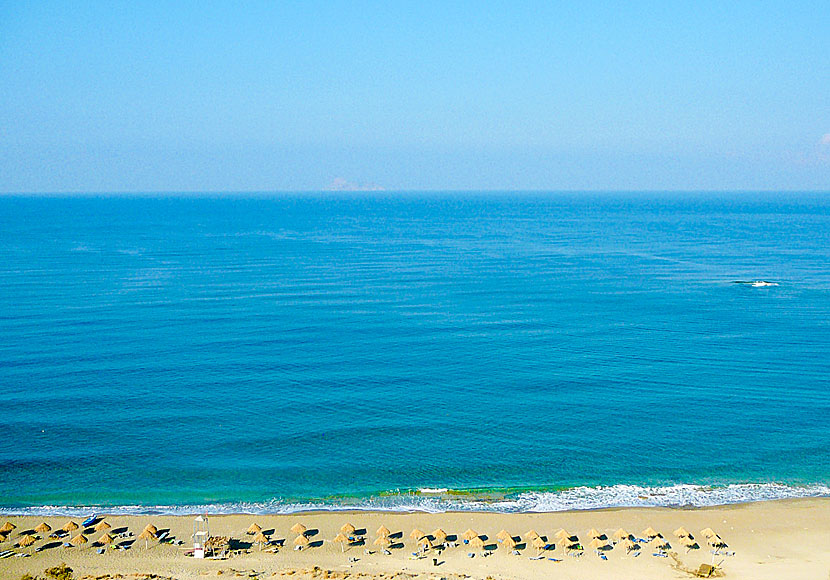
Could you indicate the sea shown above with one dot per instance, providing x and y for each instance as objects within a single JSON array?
[{"x": 541, "y": 351}]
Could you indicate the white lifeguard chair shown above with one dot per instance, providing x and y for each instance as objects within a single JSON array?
[{"x": 201, "y": 535}]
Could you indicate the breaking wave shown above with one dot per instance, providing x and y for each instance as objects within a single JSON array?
[{"x": 437, "y": 500}]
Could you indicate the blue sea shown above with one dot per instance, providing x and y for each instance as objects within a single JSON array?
[{"x": 508, "y": 352}]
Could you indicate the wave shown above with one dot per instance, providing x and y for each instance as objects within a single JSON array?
[{"x": 438, "y": 500}]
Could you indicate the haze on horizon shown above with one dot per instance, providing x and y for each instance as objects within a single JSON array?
[{"x": 124, "y": 97}]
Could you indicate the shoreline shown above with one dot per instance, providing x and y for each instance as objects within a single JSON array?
[
  {"x": 430, "y": 500},
  {"x": 769, "y": 539}
]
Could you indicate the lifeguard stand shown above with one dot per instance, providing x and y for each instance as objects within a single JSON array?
[{"x": 201, "y": 534}]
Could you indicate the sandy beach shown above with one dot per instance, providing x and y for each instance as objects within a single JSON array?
[{"x": 778, "y": 539}]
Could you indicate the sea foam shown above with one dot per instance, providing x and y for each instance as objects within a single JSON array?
[{"x": 577, "y": 498}]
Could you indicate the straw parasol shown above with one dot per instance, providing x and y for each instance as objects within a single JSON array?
[
  {"x": 439, "y": 535},
  {"x": 105, "y": 539},
  {"x": 348, "y": 529},
  {"x": 597, "y": 544},
  {"x": 383, "y": 541},
  {"x": 301, "y": 541},
  {"x": 27, "y": 540},
  {"x": 477, "y": 542},
  {"x": 261, "y": 539},
  {"x": 102, "y": 526},
  {"x": 7, "y": 527},
  {"x": 503, "y": 535},
  {"x": 254, "y": 529},
  {"x": 530, "y": 535},
  {"x": 716, "y": 542},
  {"x": 621, "y": 534},
  {"x": 298, "y": 528},
  {"x": 383, "y": 532},
  {"x": 594, "y": 533},
  {"x": 70, "y": 526},
  {"x": 341, "y": 539},
  {"x": 707, "y": 532},
  {"x": 152, "y": 529},
  {"x": 660, "y": 543},
  {"x": 416, "y": 534},
  {"x": 650, "y": 532},
  {"x": 469, "y": 534},
  {"x": 509, "y": 543},
  {"x": 424, "y": 542},
  {"x": 628, "y": 545},
  {"x": 43, "y": 528},
  {"x": 147, "y": 534},
  {"x": 563, "y": 535},
  {"x": 681, "y": 532},
  {"x": 78, "y": 540},
  {"x": 538, "y": 543}
]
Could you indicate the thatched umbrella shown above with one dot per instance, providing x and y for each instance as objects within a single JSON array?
[
  {"x": 563, "y": 535},
  {"x": 538, "y": 543},
  {"x": 341, "y": 539},
  {"x": 102, "y": 526},
  {"x": 681, "y": 532},
  {"x": 383, "y": 532},
  {"x": 621, "y": 534},
  {"x": 530, "y": 535},
  {"x": 650, "y": 533},
  {"x": 424, "y": 543},
  {"x": 261, "y": 539},
  {"x": 7, "y": 527},
  {"x": 78, "y": 540},
  {"x": 416, "y": 534},
  {"x": 70, "y": 526},
  {"x": 439, "y": 535},
  {"x": 469, "y": 534},
  {"x": 503, "y": 535},
  {"x": 383, "y": 541},
  {"x": 348, "y": 529},
  {"x": 298, "y": 528},
  {"x": 43, "y": 528},
  {"x": 301, "y": 541},
  {"x": 147, "y": 534},
  {"x": 628, "y": 545},
  {"x": 27, "y": 540},
  {"x": 660, "y": 543},
  {"x": 477, "y": 542},
  {"x": 509, "y": 543},
  {"x": 707, "y": 532},
  {"x": 716, "y": 542},
  {"x": 253, "y": 530},
  {"x": 152, "y": 529},
  {"x": 105, "y": 539},
  {"x": 598, "y": 544},
  {"x": 594, "y": 533}
]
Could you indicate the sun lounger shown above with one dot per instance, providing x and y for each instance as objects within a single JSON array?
[
  {"x": 555, "y": 559},
  {"x": 536, "y": 558},
  {"x": 660, "y": 555},
  {"x": 471, "y": 555}
]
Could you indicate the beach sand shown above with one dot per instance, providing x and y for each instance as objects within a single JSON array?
[{"x": 771, "y": 540}]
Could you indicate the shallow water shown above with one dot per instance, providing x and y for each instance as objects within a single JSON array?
[{"x": 270, "y": 351}]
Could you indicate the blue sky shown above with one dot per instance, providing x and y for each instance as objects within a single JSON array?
[{"x": 258, "y": 96}]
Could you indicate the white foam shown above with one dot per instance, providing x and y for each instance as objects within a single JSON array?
[{"x": 577, "y": 498}]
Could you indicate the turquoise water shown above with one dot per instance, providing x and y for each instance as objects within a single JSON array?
[{"x": 268, "y": 353}]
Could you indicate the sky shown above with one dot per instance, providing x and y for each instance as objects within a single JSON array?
[{"x": 301, "y": 96}]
